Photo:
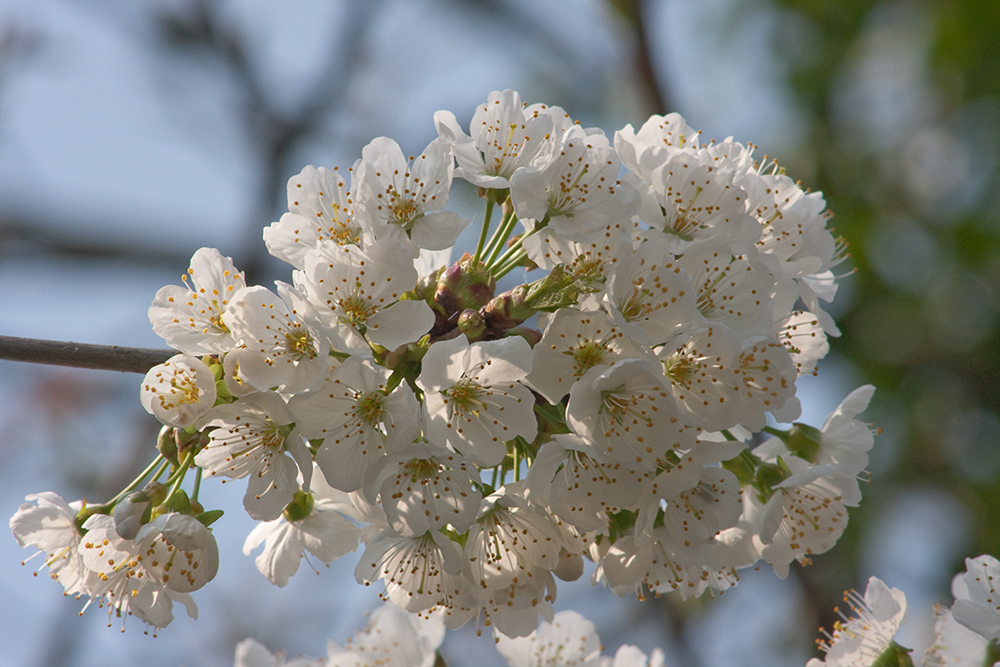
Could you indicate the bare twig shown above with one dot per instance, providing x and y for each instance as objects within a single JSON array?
[{"x": 82, "y": 355}]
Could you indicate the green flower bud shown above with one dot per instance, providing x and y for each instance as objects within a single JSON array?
[
  {"x": 471, "y": 323},
  {"x": 894, "y": 656}
]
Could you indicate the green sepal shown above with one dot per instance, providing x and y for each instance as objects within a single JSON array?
[
  {"x": 744, "y": 467},
  {"x": 460, "y": 538},
  {"x": 894, "y": 656},
  {"x": 209, "y": 517},
  {"x": 768, "y": 476},
  {"x": 180, "y": 502},
  {"x": 301, "y": 506},
  {"x": 992, "y": 656},
  {"x": 621, "y": 522}
]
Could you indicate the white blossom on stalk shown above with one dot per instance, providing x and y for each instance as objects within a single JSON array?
[
  {"x": 577, "y": 190},
  {"x": 357, "y": 420},
  {"x": 569, "y": 640},
  {"x": 278, "y": 346},
  {"x": 734, "y": 290},
  {"x": 392, "y": 638},
  {"x": 628, "y": 414},
  {"x": 503, "y": 137},
  {"x": 842, "y": 443},
  {"x": 254, "y": 438},
  {"x": 580, "y": 489},
  {"x": 474, "y": 401},
  {"x": 859, "y": 640},
  {"x": 48, "y": 523},
  {"x": 427, "y": 488},
  {"x": 419, "y": 573},
  {"x": 117, "y": 577},
  {"x": 690, "y": 199},
  {"x": 702, "y": 370},
  {"x": 805, "y": 515},
  {"x": 977, "y": 598},
  {"x": 954, "y": 644},
  {"x": 650, "y": 296},
  {"x": 768, "y": 378},
  {"x": 657, "y": 140},
  {"x": 178, "y": 551},
  {"x": 251, "y": 653},
  {"x": 180, "y": 391},
  {"x": 806, "y": 341},
  {"x": 510, "y": 538},
  {"x": 356, "y": 293},
  {"x": 325, "y": 533},
  {"x": 403, "y": 198},
  {"x": 573, "y": 343},
  {"x": 189, "y": 318},
  {"x": 320, "y": 211},
  {"x": 589, "y": 264}
]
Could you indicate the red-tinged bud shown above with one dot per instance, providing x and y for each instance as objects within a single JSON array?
[
  {"x": 471, "y": 323},
  {"x": 463, "y": 286}
]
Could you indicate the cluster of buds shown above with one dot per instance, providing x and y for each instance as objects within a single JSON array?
[{"x": 480, "y": 445}]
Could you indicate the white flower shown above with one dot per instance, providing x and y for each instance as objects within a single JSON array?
[
  {"x": 356, "y": 294},
  {"x": 392, "y": 638},
  {"x": 251, "y": 653},
  {"x": 578, "y": 189},
  {"x": 703, "y": 373},
  {"x": 179, "y": 551},
  {"x": 357, "y": 420},
  {"x": 179, "y": 391},
  {"x": 253, "y": 438},
  {"x": 324, "y": 532},
  {"x": 189, "y": 318},
  {"x": 504, "y": 137},
  {"x": 473, "y": 401},
  {"x": 510, "y": 538},
  {"x": 569, "y": 640},
  {"x": 954, "y": 644},
  {"x": 628, "y": 414},
  {"x": 49, "y": 525},
  {"x": 427, "y": 488},
  {"x": 402, "y": 198},
  {"x": 119, "y": 579},
  {"x": 805, "y": 515},
  {"x": 419, "y": 573},
  {"x": 859, "y": 640},
  {"x": 573, "y": 343},
  {"x": 278, "y": 346},
  {"x": 650, "y": 296},
  {"x": 319, "y": 211},
  {"x": 977, "y": 600},
  {"x": 579, "y": 488}
]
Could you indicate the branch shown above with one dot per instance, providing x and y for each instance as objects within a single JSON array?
[{"x": 82, "y": 355}]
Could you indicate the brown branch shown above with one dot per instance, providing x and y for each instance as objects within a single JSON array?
[{"x": 82, "y": 355}]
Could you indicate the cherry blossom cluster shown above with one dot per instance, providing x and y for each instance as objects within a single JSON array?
[
  {"x": 965, "y": 635},
  {"x": 481, "y": 443}
]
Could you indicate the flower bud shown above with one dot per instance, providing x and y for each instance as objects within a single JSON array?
[
  {"x": 167, "y": 445},
  {"x": 463, "y": 286},
  {"x": 471, "y": 323},
  {"x": 131, "y": 513}
]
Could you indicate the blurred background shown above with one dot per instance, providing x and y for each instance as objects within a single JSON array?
[{"x": 132, "y": 134}]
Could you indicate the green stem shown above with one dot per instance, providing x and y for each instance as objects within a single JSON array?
[
  {"x": 197, "y": 487},
  {"x": 773, "y": 431},
  {"x": 496, "y": 243},
  {"x": 490, "y": 203},
  {"x": 178, "y": 476},
  {"x": 138, "y": 480},
  {"x": 510, "y": 264}
]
